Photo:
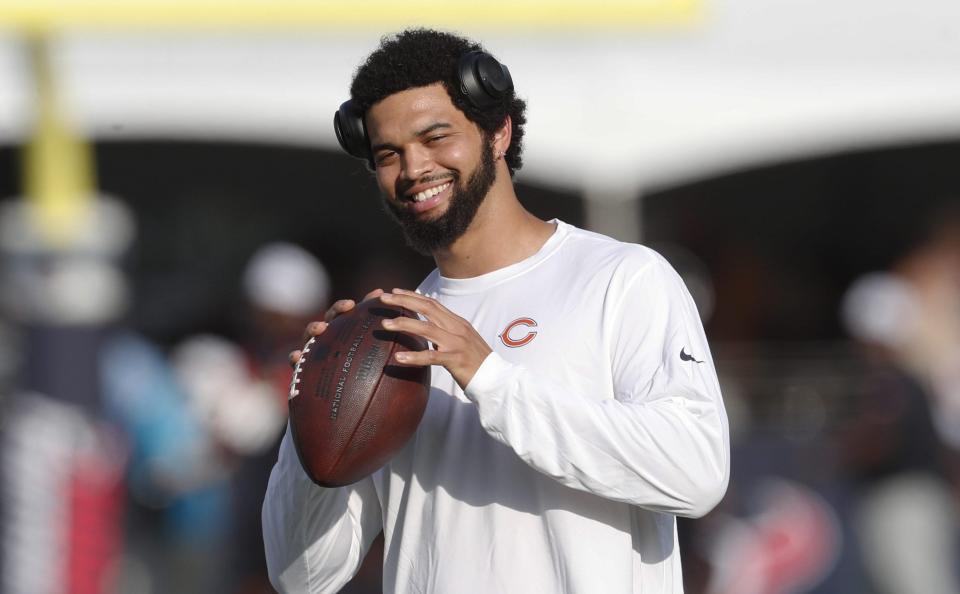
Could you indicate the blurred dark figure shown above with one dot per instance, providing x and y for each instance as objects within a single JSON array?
[
  {"x": 900, "y": 442},
  {"x": 787, "y": 539},
  {"x": 239, "y": 391},
  {"x": 203, "y": 425},
  {"x": 61, "y": 468}
]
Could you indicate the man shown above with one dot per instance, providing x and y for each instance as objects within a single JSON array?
[{"x": 574, "y": 409}]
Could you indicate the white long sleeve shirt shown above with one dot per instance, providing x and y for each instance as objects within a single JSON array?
[{"x": 595, "y": 421}]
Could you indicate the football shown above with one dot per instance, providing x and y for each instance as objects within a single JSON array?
[{"x": 351, "y": 407}]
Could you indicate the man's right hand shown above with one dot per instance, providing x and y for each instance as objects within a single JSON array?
[{"x": 318, "y": 328}]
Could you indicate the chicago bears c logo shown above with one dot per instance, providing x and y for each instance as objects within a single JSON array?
[{"x": 515, "y": 338}]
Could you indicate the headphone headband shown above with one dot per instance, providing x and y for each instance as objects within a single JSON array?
[{"x": 484, "y": 82}]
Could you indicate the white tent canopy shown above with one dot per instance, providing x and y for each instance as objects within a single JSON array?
[{"x": 610, "y": 113}]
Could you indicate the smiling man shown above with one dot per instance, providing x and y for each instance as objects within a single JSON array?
[{"x": 574, "y": 410}]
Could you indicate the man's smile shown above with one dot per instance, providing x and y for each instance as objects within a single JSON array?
[
  {"x": 430, "y": 192},
  {"x": 425, "y": 196}
]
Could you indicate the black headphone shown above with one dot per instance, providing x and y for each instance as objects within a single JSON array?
[{"x": 483, "y": 81}]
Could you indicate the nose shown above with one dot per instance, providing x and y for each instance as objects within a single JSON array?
[{"x": 415, "y": 162}]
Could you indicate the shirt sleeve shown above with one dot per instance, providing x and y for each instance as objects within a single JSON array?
[
  {"x": 315, "y": 538},
  {"x": 660, "y": 441}
]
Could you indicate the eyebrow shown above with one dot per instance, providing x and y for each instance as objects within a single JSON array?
[
  {"x": 433, "y": 127},
  {"x": 418, "y": 134}
]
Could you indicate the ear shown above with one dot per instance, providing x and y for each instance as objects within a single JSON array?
[{"x": 502, "y": 137}]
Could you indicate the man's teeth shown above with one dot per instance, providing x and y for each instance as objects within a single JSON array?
[{"x": 430, "y": 192}]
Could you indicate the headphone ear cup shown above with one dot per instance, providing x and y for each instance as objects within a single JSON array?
[
  {"x": 351, "y": 131},
  {"x": 483, "y": 80}
]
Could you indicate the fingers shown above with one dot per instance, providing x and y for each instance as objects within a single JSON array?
[
  {"x": 345, "y": 305},
  {"x": 410, "y": 297},
  {"x": 373, "y": 294},
  {"x": 460, "y": 355},
  {"x": 457, "y": 345},
  {"x": 420, "y": 358},
  {"x": 406, "y": 292},
  {"x": 314, "y": 329},
  {"x": 430, "y": 308},
  {"x": 339, "y": 307},
  {"x": 318, "y": 328},
  {"x": 417, "y": 327}
]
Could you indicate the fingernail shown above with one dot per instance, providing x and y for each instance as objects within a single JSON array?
[
  {"x": 402, "y": 357},
  {"x": 388, "y": 323}
]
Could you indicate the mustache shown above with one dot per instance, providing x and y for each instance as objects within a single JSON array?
[{"x": 403, "y": 186}]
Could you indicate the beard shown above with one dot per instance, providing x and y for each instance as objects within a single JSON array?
[{"x": 427, "y": 236}]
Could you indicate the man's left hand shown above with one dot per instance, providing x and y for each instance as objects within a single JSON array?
[{"x": 456, "y": 344}]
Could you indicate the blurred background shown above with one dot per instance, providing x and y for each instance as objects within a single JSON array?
[{"x": 174, "y": 208}]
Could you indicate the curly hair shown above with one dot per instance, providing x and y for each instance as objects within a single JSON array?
[{"x": 421, "y": 57}]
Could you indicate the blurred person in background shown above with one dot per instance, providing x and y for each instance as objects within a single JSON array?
[
  {"x": 285, "y": 287},
  {"x": 175, "y": 479},
  {"x": 61, "y": 461},
  {"x": 204, "y": 425},
  {"x": 930, "y": 341},
  {"x": 901, "y": 440}
]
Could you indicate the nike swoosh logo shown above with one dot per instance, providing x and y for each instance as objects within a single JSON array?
[{"x": 685, "y": 357}]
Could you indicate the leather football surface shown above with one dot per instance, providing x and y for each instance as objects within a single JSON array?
[{"x": 351, "y": 406}]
